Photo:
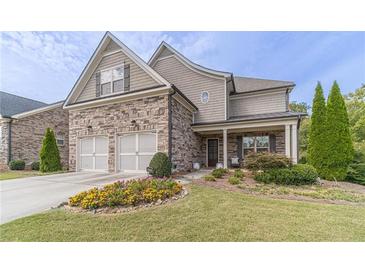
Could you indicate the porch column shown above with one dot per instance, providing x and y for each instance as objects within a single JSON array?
[
  {"x": 294, "y": 144},
  {"x": 287, "y": 141},
  {"x": 225, "y": 154}
]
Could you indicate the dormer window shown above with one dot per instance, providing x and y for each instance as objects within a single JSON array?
[{"x": 112, "y": 80}]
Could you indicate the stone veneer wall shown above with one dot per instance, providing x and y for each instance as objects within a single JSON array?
[
  {"x": 27, "y": 135},
  {"x": 232, "y": 143},
  {"x": 111, "y": 120},
  {"x": 4, "y": 145},
  {"x": 186, "y": 144}
]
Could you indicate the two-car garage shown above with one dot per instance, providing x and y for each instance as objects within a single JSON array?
[{"x": 134, "y": 152}]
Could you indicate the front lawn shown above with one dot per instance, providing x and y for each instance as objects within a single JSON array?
[
  {"x": 206, "y": 214},
  {"x": 15, "y": 174}
]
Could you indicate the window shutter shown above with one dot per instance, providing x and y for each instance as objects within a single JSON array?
[
  {"x": 98, "y": 87},
  {"x": 272, "y": 142},
  {"x": 239, "y": 147},
  {"x": 127, "y": 77}
]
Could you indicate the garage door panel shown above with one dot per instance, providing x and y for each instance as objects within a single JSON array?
[
  {"x": 93, "y": 153},
  {"x": 87, "y": 145},
  {"x": 101, "y": 162},
  {"x": 136, "y": 151},
  {"x": 87, "y": 162},
  {"x": 144, "y": 161},
  {"x": 147, "y": 143},
  {"x": 128, "y": 162},
  {"x": 128, "y": 144},
  {"x": 101, "y": 145}
]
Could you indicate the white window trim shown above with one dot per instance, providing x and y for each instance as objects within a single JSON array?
[
  {"x": 201, "y": 97},
  {"x": 255, "y": 147},
  {"x": 112, "y": 80},
  {"x": 61, "y": 138}
]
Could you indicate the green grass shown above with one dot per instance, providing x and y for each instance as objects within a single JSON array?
[
  {"x": 312, "y": 191},
  {"x": 15, "y": 174},
  {"x": 206, "y": 214}
]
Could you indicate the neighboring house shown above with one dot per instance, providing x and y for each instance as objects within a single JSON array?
[
  {"x": 123, "y": 110},
  {"x": 23, "y": 123}
]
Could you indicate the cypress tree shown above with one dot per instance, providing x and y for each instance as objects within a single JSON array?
[
  {"x": 339, "y": 143},
  {"x": 49, "y": 154},
  {"x": 317, "y": 133}
]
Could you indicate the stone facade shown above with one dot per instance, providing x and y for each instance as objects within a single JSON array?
[
  {"x": 27, "y": 134},
  {"x": 146, "y": 114},
  {"x": 4, "y": 144},
  {"x": 232, "y": 146},
  {"x": 186, "y": 144}
]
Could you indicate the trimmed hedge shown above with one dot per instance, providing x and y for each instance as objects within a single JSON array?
[
  {"x": 133, "y": 192},
  {"x": 209, "y": 178},
  {"x": 219, "y": 172},
  {"x": 234, "y": 180},
  {"x": 35, "y": 166},
  {"x": 17, "y": 165},
  {"x": 266, "y": 161},
  {"x": 300, "y": 174},
  {"x": 160, "y": 166}
]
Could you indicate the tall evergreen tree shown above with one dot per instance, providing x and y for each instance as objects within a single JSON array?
[
  {"x": 317, "y": 149},
  {"x": 339, "y": 143},
  {"x": 49, "y": 154}
]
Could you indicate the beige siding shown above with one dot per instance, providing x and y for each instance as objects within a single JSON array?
[
  {"x": 139, "y": 79},
  {"x": 192, "y": 83},
  {"x": 265, "y": 103}
]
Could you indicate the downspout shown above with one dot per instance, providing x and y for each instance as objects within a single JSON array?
[
  {"x": 9, "y": 142},
  {"x": 169, "y": 106}
]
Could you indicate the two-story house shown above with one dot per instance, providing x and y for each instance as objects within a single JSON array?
[{"x": 122, "y": 110}]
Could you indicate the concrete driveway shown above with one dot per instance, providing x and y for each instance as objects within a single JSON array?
[{"x": 26, "y": 196}]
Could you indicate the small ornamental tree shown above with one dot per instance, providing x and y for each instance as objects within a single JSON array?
[
  {"x": 49, "y": 154},
  {"x": 339, "y": 143},
  {"x": 317, "y": 149}
]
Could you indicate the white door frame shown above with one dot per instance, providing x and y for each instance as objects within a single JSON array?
[
  {"x": 137, "y": 153},
  {"x": 94, "y": 154}
]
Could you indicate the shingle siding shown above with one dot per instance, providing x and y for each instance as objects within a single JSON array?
[{"x": 192, "y": 84}]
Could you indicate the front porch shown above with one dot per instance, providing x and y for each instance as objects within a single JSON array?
[{"x": 221, "y": 143}]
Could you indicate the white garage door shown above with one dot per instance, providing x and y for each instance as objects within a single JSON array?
[
  {"x": 94, "y": 153},
  {"x": 136, "y": 151}
]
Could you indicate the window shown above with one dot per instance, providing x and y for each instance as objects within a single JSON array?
[
  {"x": 205, "y": 97},
  {"x": 255, "y": 144},
  {"x": 60, "y": 140},
  {"x": 112, "y": 81}
]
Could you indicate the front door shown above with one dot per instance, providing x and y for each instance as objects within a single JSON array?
[{"x": 212, "y": 152}]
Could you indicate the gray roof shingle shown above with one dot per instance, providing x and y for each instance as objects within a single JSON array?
[
  {"x": 11, "y": 104},
  {"x": 247, "y": 84}
]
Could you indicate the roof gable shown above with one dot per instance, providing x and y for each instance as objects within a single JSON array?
[
  {"x": 165, "y": 50},
  {"x": 109, "y": 44}
]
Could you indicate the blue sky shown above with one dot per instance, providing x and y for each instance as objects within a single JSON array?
[{"x": 45, "y": 65}]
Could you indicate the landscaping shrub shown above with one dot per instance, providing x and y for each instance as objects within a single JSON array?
[
  {"x": 234, "y": 180},
  {"x": 133, "y": 192},
  {"x": 219, "y": 172},
  {"x": 209, "y": 178},
  {"x": 35, "y": 166},
  {"x": 356, "y": 173},
  {"x": 300, "y": 174},
  {"x": 160, "y": 166},
  {"x": 238, "y": 173},
  {"x": 17, "y": 165},
  {"x": 49, "y": 154},
  {"x": 265, "y": 161}
]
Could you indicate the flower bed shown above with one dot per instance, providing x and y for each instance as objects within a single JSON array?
[{"x": 133, "y": 193}]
